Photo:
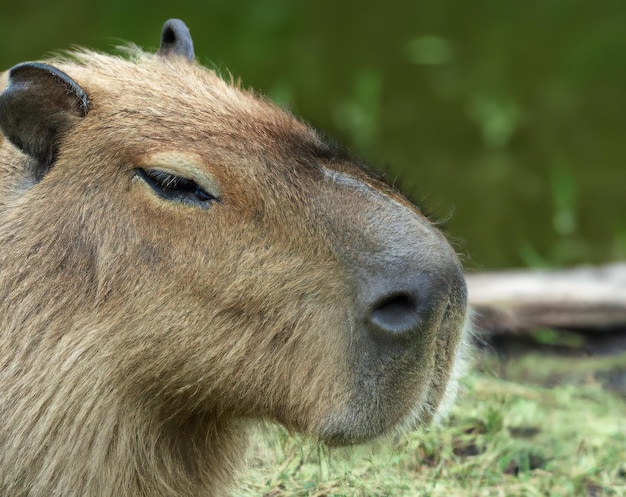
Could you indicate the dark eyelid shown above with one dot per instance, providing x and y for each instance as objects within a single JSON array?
[{"x": 176, "y": 188}]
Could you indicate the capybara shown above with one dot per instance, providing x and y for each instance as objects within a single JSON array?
[{"x": 180, "y": 258}]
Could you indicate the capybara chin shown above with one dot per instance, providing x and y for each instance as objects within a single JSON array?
[{"x": 179, "y": 258}]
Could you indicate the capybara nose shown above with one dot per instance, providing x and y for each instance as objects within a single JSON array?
[{"x": 400, "y": 303}]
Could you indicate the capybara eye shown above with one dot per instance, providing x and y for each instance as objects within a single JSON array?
[{"x": 176, "y": 188}]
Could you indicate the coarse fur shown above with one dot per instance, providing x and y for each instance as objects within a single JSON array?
[{"x": 140, "y": 337}]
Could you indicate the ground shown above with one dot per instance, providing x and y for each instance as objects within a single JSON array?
[{"x": 548, "y": 420}]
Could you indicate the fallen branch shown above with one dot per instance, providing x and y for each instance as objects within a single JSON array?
[{"x": 520, "y": 301}]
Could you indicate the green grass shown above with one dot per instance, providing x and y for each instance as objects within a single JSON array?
[{"x": 505, "y": 437}]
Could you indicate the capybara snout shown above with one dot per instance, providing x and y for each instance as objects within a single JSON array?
[
  {"x": 180, "y": 257},
  {"x": 405, "y": 307}
]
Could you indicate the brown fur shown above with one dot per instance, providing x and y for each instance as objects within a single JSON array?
[{"x": 139, "y": 338}]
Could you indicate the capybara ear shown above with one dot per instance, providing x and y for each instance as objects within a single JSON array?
[
  {"x": 40, "y": 105},
  {"x": 176, "y": 39}
]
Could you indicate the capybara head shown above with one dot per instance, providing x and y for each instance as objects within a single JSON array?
[{"x": 179, "y": 256}]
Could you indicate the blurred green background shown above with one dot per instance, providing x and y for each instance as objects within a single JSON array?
[{"x": 505, "y": 119}]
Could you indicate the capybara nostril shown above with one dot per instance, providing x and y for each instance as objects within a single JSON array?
[
  {"x": 396, "y": 314},
  {"x": 399, "y": 300}
]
